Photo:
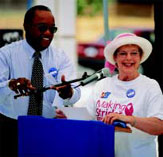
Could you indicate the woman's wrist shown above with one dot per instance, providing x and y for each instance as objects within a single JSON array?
[{"x": 133, "y": 122}]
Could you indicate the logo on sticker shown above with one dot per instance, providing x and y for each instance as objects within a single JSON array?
[
  {"x": 53, "y": 71},
  {"x": 105, "y": 94},
  {"x": 130, "y": 93}
]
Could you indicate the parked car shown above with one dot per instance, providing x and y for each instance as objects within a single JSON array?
[
  {"x": 91, "y": 54},
  {"x": 7, "y": 36}
]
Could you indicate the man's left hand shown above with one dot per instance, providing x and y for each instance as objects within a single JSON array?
[{"x": 64, "y": 91}]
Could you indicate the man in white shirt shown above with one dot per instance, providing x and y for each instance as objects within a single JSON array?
[{"x": 16, "y": 61}]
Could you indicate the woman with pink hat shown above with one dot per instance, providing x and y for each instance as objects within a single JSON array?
[{"x": 130, "y": 97}]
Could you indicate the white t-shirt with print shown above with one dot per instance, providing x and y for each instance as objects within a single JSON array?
[{"x": 141, "y": 97}]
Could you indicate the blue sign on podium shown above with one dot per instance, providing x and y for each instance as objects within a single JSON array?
[{"x": 43, "y": 137}]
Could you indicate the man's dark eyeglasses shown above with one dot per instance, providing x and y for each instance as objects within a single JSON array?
[{"x": 42, "y": 28}]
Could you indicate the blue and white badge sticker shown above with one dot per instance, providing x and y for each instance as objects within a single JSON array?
[
  {"x": 53, "y": 71},
  {"x": 130, "y": 93}
]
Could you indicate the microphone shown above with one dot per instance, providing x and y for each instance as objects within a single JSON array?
[
  {"x": 86, "y": 79},
  {"x": 97, "y": 75}
]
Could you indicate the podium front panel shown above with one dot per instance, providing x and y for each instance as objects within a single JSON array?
[{"x": 43, "y": 137}]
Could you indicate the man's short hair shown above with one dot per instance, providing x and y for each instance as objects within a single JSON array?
[{"x": 29, "y": 15}]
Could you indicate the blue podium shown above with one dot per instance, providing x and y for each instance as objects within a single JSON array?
[{"x": 43, "y": 137}]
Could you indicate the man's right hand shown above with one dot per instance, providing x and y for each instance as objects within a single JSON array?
[{"x": 21, "y": 86}]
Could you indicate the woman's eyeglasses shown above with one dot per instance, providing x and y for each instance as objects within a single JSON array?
[
  {"x": 43, "y": 28},
  {"x": 125, "y": 54}
]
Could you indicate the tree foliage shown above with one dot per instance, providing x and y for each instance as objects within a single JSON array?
[{"x": 89, "y": 7}]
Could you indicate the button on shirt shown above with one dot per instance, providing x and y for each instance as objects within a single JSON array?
[{"x": 16, "y": 61}]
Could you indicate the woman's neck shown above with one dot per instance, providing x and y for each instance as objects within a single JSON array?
[{"x": 128, "y": 77}]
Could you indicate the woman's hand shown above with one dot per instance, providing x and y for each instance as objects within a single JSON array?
[
  {"x": 110, "y": 118},
  {"x": 60, "y": 114}
]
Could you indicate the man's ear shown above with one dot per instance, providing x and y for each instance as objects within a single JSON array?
[{"x": 26, "y": 26}]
